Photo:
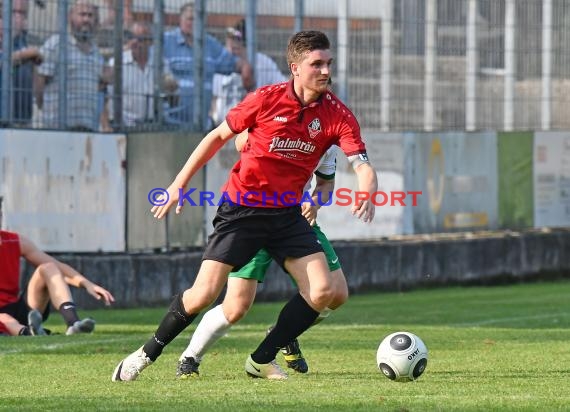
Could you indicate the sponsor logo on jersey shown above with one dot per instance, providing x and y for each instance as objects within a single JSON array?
[
  {"x": 314, "y": 127},
  {"x": 280, "y": 119},
  {"x": 279, "y": 144}
]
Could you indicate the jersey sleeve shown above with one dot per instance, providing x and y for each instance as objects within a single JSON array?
[
  {"x": 244, "y": 115},
  {"x": 327, "y": 168},
  {"x": 349, "y": 137}
]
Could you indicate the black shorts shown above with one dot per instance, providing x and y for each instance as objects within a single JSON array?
[
  {"x": 241, "y": 231},
  {"x": 19, "y": 310}
]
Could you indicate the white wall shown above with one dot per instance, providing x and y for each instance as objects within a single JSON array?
[{"x": 65, "y": 191}]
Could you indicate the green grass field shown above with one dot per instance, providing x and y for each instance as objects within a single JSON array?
[{"x": 494, "y": 348}]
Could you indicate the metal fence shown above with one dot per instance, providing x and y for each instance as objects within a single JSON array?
[{"x": 400, "y": 64}]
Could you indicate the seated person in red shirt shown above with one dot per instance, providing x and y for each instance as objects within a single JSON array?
[{"x": 49, "y": 283}]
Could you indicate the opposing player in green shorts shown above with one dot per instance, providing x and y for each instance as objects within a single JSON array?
[{"x": 242, "y": 284}]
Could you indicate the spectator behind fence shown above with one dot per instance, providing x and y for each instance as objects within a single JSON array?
[
  {"x": 112, "y": 6},
  {"x": 24, "y": 58},
  {"x": 84, "y": 73},
  {"x": 266, "y": 70},
  {"x": 138, "y": 78},
  {"x": 179, "y": 53},
  {"x": 228, "y": 89}
]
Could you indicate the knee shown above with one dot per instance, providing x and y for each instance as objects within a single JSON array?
[
  {"x": 340, "y": 296},
  {"x": 235, "y": 311},
  {"x": 194, "y": 300},
  {"x": 322, "y": 297},
  {"x": 48, "y": 269}
]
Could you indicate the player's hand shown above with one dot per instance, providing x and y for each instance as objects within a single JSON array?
[
  {"x": 364, "y": 210},
  {"x": 172, "y": 195},
  {"x": 309, "y": 212},
  {"x": 100, "y": 293}
]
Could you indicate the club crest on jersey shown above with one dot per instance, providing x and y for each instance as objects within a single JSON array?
[{"x": 314, "y": 128}]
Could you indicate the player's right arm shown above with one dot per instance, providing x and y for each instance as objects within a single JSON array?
[
  {"x": 36, "y": 257},
  {"x": 205, "y": 150}
]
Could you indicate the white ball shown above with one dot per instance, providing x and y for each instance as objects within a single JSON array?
[{"x": 402, "y": 356}]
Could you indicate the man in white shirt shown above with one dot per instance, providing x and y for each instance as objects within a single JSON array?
[{"x": 138, "y": 78}]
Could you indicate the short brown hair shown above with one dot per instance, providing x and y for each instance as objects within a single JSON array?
[{"x": 304, "y": 42}]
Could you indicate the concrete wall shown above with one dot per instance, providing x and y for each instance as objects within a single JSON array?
[{"x": 385, "y": 265}]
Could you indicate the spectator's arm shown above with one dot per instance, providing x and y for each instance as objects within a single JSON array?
[
  {"x": 25, "y": 54},
  {"x": 105, "y": 118},
  {"x": 107, "y": 76},
  {"x": 40, "y": 82}
]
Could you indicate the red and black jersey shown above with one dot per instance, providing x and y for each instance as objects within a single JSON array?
[
  {"x": 286, "y": 141},
  {"x": 9, "y": 268}
]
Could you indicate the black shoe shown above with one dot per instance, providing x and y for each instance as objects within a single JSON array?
[
  {"x": 187, "y": 368},
  {"x": 293, "y": 356}
]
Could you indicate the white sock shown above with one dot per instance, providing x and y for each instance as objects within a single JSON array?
[
  {"x": 325, "y": 313},
  {"x": 212, "y": 327}
]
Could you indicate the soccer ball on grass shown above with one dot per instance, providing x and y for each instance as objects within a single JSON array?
[{"x": 402, "y": 356}]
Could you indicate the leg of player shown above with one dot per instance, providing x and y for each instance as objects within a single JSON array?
[
  {"x": 241, "y": 288},
  {"x": 215, "y": 323},
  {"x": 182, "y": 311},
  {"x": 315, "y": 294},
  {"x": 48, "y": 284},
  {"x": 292, "y": 352},
  {"x": 10, "y": 326}
]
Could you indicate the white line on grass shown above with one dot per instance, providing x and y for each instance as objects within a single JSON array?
[
  {"x": 70, "y": 343},
  {"x": 513, "y": 319}
]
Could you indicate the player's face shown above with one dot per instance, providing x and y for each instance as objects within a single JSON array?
[{"x": 314, "y": 71}]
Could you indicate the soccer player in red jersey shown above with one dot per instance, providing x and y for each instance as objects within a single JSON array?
[
  {"x": 49, "y": 283},
  {"x": 291, "y": 125}
]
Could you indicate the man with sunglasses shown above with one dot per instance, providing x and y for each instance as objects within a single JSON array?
[{"x": 138, "y": 78}]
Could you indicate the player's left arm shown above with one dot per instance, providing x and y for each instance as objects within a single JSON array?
[
  {"x": 364, "y": 208},
  {"x": 351, "y": 143}
]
